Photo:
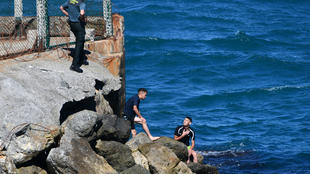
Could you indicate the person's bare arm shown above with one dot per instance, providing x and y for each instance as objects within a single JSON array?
[
  {"x": 135, "y": 108},
  {"x": 64, "y": 11}
]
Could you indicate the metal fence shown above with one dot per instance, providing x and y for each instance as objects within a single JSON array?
[{"x": 35, "y": 25}]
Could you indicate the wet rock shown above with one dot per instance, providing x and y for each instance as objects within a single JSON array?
[
  {"x": 200, "y": 158},
  {"x": 202, "y": 168},
  {"x": 140, "y": 139},
  {"x": 28, "y": 141},
  {"x": 161, "y": 159},
  {"x": 137, "y": 169},
  {"x": 76, "y": 156},
  {"x": 31, "y": 170},
  {"x": 177, "y": 147},
  {"x": 117, "y": 154}
]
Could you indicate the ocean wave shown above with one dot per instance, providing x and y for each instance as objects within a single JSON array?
[
  {"x": 225, "y": 153},
  {"x": 278, "y": 88}
]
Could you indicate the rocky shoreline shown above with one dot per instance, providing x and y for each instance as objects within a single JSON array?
[{"x": 57, "y": 121}]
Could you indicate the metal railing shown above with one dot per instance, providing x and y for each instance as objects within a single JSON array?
[{"x": 40, "y": 25}]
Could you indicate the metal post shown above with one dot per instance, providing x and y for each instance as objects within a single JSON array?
[
  {"x": 42, "y": 24},
  {"x": 107, "y": 15},
  {"x": 18, "y": 9}
]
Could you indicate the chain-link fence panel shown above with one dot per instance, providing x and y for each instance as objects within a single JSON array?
[{"x": 34, "y": 25}]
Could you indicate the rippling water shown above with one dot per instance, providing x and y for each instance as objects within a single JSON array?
[{"x": 240, "y": 68}]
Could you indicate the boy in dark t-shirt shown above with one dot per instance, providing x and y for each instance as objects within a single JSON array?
[
  {"x": 184, "y": 134},
  {"x": 132, "y": 109}
]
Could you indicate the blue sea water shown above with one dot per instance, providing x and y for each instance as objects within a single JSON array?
[{"x": 240, "y": 69}]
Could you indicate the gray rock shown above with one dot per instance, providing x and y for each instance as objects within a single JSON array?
[
  {"x": 28, "y": 141},
  {"x": 31, "y": 170},
  {"x": 137, "y": 169},
  {"x": 6, "y": 165},
  {"x": 117, "y": 154},
  {"x": 162, "y": 160},
  {"x": 140, "y": 159},
  {"x": 123, "y": 130},
  {"x": 114, "y": 129},
  {"x": 76, "y": 156},
  {"x": 202, "y": 168},
  {"x": 83, "y": 123},
  {"x": 140, "y": 139},
  {"x": 181, "y": 168},
  {"x": 177, "y": 147},
  {"x": 38, "y": 90}
]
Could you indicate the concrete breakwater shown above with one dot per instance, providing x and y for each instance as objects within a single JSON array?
[{"x": 57, "y": 121}]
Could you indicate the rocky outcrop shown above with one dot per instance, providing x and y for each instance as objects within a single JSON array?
[
  {"x": 162, "y": 160},
  {"x": 30, "y": 140},
  {"x": 76, "y": 156},
  {"x": 57, "y": 121},
  {"x": 117, "y": 154},
  {"x": 177, "y": 147},
  {"x": 140, "y": 139}
]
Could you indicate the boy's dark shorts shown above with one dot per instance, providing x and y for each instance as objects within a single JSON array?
[{"x": 131, "y": 119}]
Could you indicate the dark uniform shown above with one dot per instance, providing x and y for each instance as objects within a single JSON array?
[
  {"x": 191, "y": 136},
  {"x": 129, "y": 113},
  {"x": 77, "y": 26}
]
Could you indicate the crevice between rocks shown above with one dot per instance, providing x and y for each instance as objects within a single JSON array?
[{"x": 72, "y": 107}]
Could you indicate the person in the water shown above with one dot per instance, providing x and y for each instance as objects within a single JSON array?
[
  {"x": 184, "y": 134},
  {"x": 132, "y": 113}
]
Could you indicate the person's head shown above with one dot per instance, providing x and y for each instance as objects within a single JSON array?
[
  {"x": 142, "y": 92},
  {"x": 187, "y": 121}
]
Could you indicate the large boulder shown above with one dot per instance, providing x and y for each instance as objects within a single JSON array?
[
  {"x": 140, "y": 139},
  {"x": 83, "y": 124},
  {"x": 137, "y": 169},
  {"x": 202, "y": 168},
  {"x": 31, "y": 170},
  {"x": 28, "y": 141},
  {"x": 162, "y": 160},
  {"x": 117, "y": 154},
  {"x": 177, "y": 147},
  {"x": 76, "y": 156},
  {"x": 114, "y": 128},
  {"x": 44, "y": 91}
]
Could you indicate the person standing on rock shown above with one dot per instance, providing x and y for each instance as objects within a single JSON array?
[
  {"x": 184, "y": 133},
  {"x": 132, "y": 113},
  {"x": 75, "y": 10}
]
